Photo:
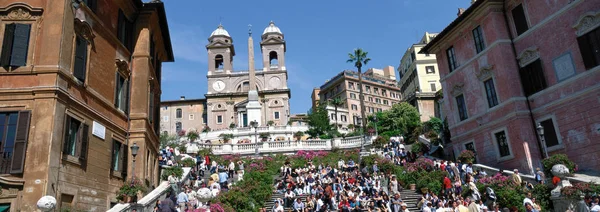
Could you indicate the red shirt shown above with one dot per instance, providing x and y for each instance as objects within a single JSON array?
[
  {"x": 447, "y": 183},
  {"x": 555, "y": 180},
  {"x": 443, "y": 167},
  {"x": 343, "y": 203}
]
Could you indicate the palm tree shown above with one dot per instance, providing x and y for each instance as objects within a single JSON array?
[
  {"x": 336, "y": 102},
  {"x": 360, "y": 58}
]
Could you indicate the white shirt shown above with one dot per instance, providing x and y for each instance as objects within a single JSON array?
[
  {"x": 231, "y": 166},
  {"x": 527, "y": 200},
  {"x": 278, "y": 209},
  {"x": 319, "y": 204}
]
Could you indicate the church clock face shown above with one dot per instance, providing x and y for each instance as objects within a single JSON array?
[
  {"x": 218, "y": 85},
  {"x": 275, "y": 82}
]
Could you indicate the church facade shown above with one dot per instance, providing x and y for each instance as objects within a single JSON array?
[{"x": 236, "y": 98}]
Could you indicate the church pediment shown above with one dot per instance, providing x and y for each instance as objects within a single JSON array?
[
  {"x": 218, "y": 44},
  {"x": 241, "y": 104},
  {"x": 272, "y": 40}
]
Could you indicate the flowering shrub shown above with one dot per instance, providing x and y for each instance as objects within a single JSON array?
[
  {"x": 421, "y": 164},
  {"x": 497, "y": 179},
  {"x": 234, "y": 157},
  {"x": 508, "y": 195},
  {"x": 309, "y": 155},
  {"x": 580, "y": 189},
  {"x": 216, "y": 207},
  {"x": 131, "y": 189},
  {"x": 181, "y": 133},
  {"x": 467, "y": 156}
]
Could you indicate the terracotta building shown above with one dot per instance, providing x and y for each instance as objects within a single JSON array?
[
  {"x": 507, "y": 65},
  {"x": 420, "y": 79},
  {"x": 379, "y": 88},
  {"x": 79, "y": 81},
  {"x": 183, "y": 114},
  {"x": 314, "y": 97}
]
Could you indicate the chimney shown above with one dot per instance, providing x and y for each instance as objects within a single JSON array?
[
  {"x": 460, "y": 11},
  {"x": 182, "y": 98}
]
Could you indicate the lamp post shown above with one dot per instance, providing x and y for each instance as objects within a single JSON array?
[
  {"x": 255, "y": 125},
  {"x": 134, "y": 150},
  {"x": 540, "y": 130}
]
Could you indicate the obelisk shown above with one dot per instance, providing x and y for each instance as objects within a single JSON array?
[{"x": 253, "y": 107}]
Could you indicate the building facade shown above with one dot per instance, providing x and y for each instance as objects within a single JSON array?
[
  {"x": 229, "y": 91},
  {"x": 183, "y": 114},
  {"x": 314, "y": 97},
  {"x": 76, "y": 91},
  {"x": 420, "y": 79},
  {"x": 380, "y": 91},
  {"x": 508, "y": 65}
]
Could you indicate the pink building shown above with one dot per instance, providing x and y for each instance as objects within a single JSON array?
[{"x": 507, "y": 65}]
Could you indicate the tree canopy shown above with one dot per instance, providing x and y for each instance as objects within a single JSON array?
[
  {"x": 318, "y": 122},
  {"x": 402, "y": 119}
]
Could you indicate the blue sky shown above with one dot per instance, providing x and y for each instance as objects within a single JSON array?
[{"x": 319, "y": 35}]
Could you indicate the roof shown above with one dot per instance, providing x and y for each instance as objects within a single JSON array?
[
  {"x": 220, "y": 31},
  {"x": 182, "y": 101},
  {"x": 452, "y": 25},
  {"x": 272, "y": 29},
  {"x": 164, "y": 27}
]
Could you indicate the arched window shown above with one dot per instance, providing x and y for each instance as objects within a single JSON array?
[
  {"x": 243, "y": 87},
  {"x": 178, "y": 113},
  {"x": 219, "y": 62},
  {"x": 273, "y": 60},
  {"x": 178, "y": 127}
]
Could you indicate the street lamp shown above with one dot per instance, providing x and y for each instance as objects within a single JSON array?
[
  {"x": 255, "y": 125},
  {"x": 134, "y": 150},
  {"x": 540, "y": 130}
]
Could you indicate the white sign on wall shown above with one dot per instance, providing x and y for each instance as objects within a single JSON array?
[{"x": 98, "y": 130}]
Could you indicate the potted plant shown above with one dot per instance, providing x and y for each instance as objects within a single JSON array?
[
  {"x": 264, "y": 136},
  {"x": 231, "y": 126},
  {"x": 270, "y": 123},
  {"x": 226, "y": 137},
  {"x": 192, "y": 135},
  {"x": 130, "y": 189},
  {"x": 467, "y": 156}
]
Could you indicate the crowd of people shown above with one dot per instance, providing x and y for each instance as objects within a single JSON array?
[{"x": 348, "y": 186}]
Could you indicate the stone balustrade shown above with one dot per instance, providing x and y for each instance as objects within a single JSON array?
[
  {"x": 251, "y": 134},
  {"x": 281, "y": 146}
]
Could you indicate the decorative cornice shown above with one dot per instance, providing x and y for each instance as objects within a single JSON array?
[
  {"x": 229, "y": 102},
  {"x": 8, "y": 180},
  {"x": 457, "y": 89},
  {"x": 84, "y": 29},
  {"x": 528, "y": 56},
  {"x": 587, "y": 22},
  {"x": 20, "y": 11},
  {"x": 122, "y": 67},
  {"x": 485, "y": 72}
]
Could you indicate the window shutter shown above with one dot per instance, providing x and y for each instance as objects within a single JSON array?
[
  {"x": 79, "y": 65},
  {"x": 84, "y": 146},
  {"x": 117, "y": 83},
  {"x": 125, "y": 97},
  {"x": 7, "y": 43},
  {"x": 20, "y": 45},
  {"x": 18, "y": 159},
  {"x": 124, "y": 160},
  {"x": 112, "y": 156},
  {"x": 66, "y": 138}
]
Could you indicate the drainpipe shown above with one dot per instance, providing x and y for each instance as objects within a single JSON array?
[{"x": 514, "y": 50}]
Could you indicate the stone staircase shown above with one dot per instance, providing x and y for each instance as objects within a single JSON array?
[{"x": 411, "y": 198}]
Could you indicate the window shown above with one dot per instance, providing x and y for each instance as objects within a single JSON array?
[
  {"x": 385, "y": 102},
  {"x": 15, "y": 45},
  {"x": 178, "y": 127},
  {"x": 121, "y": 93},
  {"x": 14, "y": 130},
  {"x": 478, "y": 38},
  {"x": 430, "y": 69},
  {"x": 589, "y": 45},
  {"x": 370, "y": 99},
  {"x": 76, "y": 139},
  {"x": 343, "y": 118},
  {"x": 351, "y": 85},
  {"x": 550, "y": 135},
  {"x": 376, "y": 90},
  {"x": 276, "y": 114},
  {"x": 451, "y": 60},
  {"x": 125, "y": 31},
  {"x": 92, "y": 4},
  {"x": 81, "y": 52},
  {"x": 354, "y": 107},
  {"x": 165, "y": 118},
  {"x": 191, "y": 117},
  {"x": 519, "y": 19},
  {"x": 384, "y": 93},
  {"x": 490, "y": 92},
  {"x": 379, "y": 110},
  {"x": 352, "y": 95},
  {"x": 119, "y": 159},
  {"x": 432, "y": 84},
  {"x": 503, "y": 148},
  {"x": 462, "y": 108},
  {"x": 204, "y": 117},
  {"x": 378, "y": 101},
  {"x": 532, "y": 78},
  {"x": 219, "y": 119},
  {"x": 178, "y": 113},
  {"x": 333, "y": 116},
  {"x": 151, "y": 101},
  {"x": 368, "y": 89}
]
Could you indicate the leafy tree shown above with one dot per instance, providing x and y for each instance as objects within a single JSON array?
[
  {"x": 166, "y": 140},
  {"x": 351, "y": 127},
  {"x": 359, "y": 58},
  {"x": 403, "y": 118},
  {"x": 298, "y": 135},
  {"x": 318, "y": 122},
  {"x": 336, "y": 102}
]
